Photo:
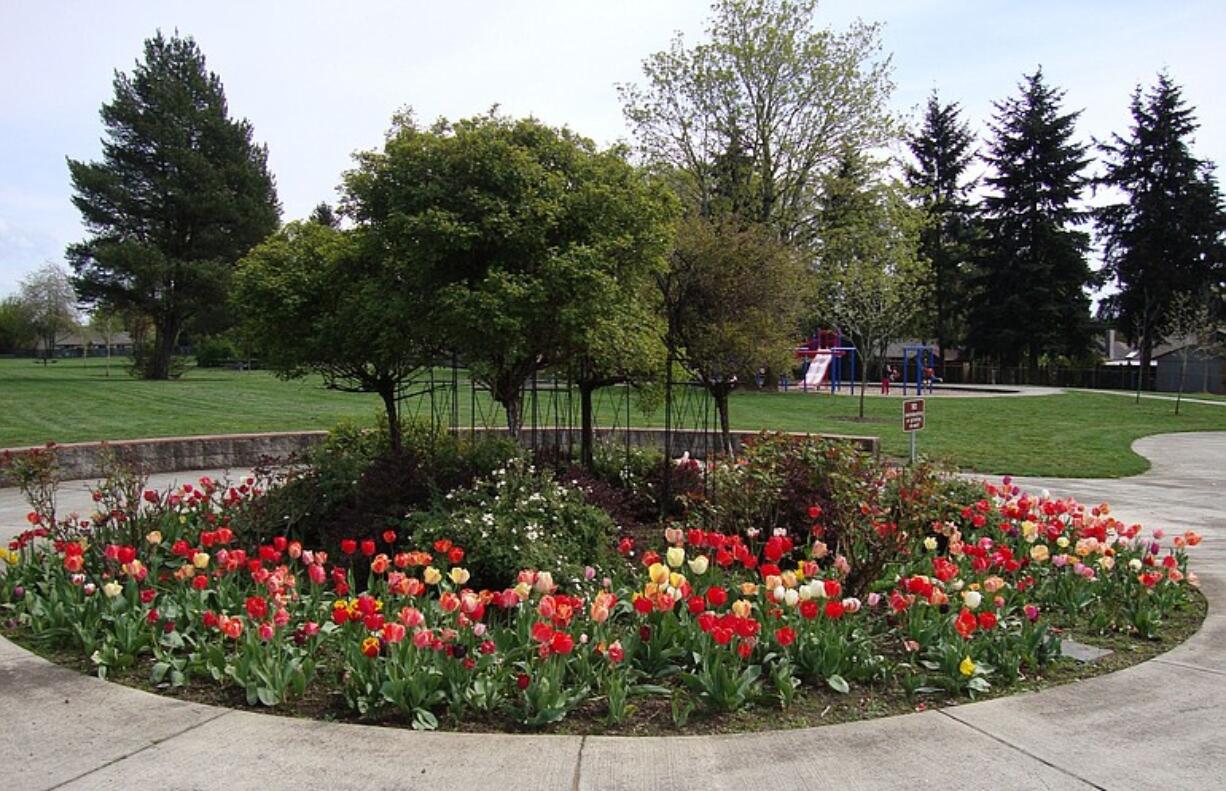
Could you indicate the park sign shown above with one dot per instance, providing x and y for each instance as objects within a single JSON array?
[{"x": 913, "y": 414}]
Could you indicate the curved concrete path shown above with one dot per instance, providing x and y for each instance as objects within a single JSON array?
[{"x": 1156, "y": 725}]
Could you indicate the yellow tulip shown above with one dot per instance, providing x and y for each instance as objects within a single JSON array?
[
  {"x": 967, "y": 666},
  {"x": 658, "y": 573},
  {"x": 1039, "y": 553},
  {"x": 675, "y": 556},
  {"x": 200, "y": 560},
  {"x": 459, "y": 576},
  {"x": 742, "y": 608},
  {"x": 699, "y": 565},
  {"x": 432, "y": 576},
  {"x": 112, "y": 589}
]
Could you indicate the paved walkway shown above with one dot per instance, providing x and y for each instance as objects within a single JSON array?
[
  {"x": 1157, "y": 725},
  {"x": 1153, "y": 396}
]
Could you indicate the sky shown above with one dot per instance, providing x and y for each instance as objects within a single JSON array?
[{"x": 321, "y": 80}]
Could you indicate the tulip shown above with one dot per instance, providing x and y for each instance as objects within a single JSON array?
[
  {"x": 153, "y": 537},
  {"x": 930, "y": 544},
  {"x": 544, "y": 583},
  {"x": 200, "y": 560},
  {"x": 112, "y": 589},
  {"x": 459, "y": 575},
  {"x": 657, "y": 573},
  {"x": 967, "y": 666},
  {"x": 675, "y": 556},
  {"x": 432, "y": 576},
  {"x": 699, "y": 565},
  {"x": 972, "y": 599}
]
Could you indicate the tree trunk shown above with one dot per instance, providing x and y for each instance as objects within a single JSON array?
[
  {"x": 585, "y": 415},
  {"x": 1183, "y": 372},
  {"x": 165, "y": 337},
  {"x": 388, "y": 394},
  {"x": 864, "y": 384},
  {"x": 513, "y": 404}
]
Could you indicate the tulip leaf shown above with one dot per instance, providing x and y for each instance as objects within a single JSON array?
[{"x": 838, "y": 684}]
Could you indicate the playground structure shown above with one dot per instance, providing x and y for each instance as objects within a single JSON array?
[
  {"x": 918, "y": 368},
  {"x": 829, "y": 362}
]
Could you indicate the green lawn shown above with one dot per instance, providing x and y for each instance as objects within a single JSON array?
[{"x": 1074, "y": 434}]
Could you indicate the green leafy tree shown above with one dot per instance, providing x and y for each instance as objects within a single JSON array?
[
  {"x": 16, "y": 327},
  {"x": 764, "y": 105},
  {"x": 871, "y": 282},
  {"x": 526, "y": 237},
  {"x": 180, "y": 194},
  {"x": 1029, "y": 291},
  {"x": 51, "y": 305},
  {"x": 316, "y": 299},
  {"x": 1165, "y": 237},
  {"x": 732, "y": 298},
  {"x": 942, "y": 149}
]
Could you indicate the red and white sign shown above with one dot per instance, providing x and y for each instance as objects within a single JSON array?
[{"x": 913, "y": 414}]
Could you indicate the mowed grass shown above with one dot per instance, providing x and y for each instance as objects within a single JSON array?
[{"x": 1073, "y": 434}]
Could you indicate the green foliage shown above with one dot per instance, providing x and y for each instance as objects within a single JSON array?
[
  {"x": 16, "y": 325},
  {"x": 529, "y": 240},
  {"x": 180, "y": 194},
  {"x": 1030, "y": 287},
  {"x": 942, "y": 151},
  {"x": 1166, "y": 236},
  {"x": 732, "y": 297},
  {"x": 749, "y": 120},
  {"x": 214, "y": 351},
  {"x": 520, "y": 518},
  {"x": 317, "y": 299},
  {"x": 870, "y": 282}
]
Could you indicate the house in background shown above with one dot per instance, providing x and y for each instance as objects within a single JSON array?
[
  {"x": 86, "y": 341},
  {"x": 1206, "y": 370}
]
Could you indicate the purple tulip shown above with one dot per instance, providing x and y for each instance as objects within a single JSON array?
[{"x": 19, "y": 593}]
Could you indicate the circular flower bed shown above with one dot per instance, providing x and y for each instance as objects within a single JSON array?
[{"x": 707, "y": 622}]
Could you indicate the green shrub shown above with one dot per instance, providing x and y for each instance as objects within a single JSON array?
[
  {"x": 517, "y": 518},
  {"x": 214, "y": 351},
  {"x": 353, "y": 485}
]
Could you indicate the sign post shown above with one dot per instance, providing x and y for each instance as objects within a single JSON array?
[{"x": 912, "y": 420}]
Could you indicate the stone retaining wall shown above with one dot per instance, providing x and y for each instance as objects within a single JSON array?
[{"x": 85, "y": 460}]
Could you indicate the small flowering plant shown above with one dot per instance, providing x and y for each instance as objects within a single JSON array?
[{"x": 395, "y": 624}]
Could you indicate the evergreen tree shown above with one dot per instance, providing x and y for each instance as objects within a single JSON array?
[
  {"x": 942, "y": 151},
  {"x": 323, "y": 214},
  {"x": 181, "y": 193},
  {"x": 1164, "y": 239},
  {"x": 1029, "y": 291}
]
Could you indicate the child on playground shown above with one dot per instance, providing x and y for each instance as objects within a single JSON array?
[{"x": 890, "y": 374}]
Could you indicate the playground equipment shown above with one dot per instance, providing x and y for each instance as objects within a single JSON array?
[
  {"x": 829, "y": 362},
  {"x": 923, "y": 357}
]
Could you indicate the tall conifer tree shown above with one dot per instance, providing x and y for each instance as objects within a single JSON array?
[
  {"x": 1030, "y": 294},
  {"x": 181, "y": 193},
  {"x": 1164, "y": 238},
  {"x": 942, "y": 151}
]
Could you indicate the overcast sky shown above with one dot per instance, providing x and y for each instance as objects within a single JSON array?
[{"x": 320, "y": 80}]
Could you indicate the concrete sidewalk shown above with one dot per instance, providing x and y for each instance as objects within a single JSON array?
[{"x": 1156, "y": 725}]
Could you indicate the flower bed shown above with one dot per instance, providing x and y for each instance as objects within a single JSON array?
[{"x": 969, "y": 591}]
